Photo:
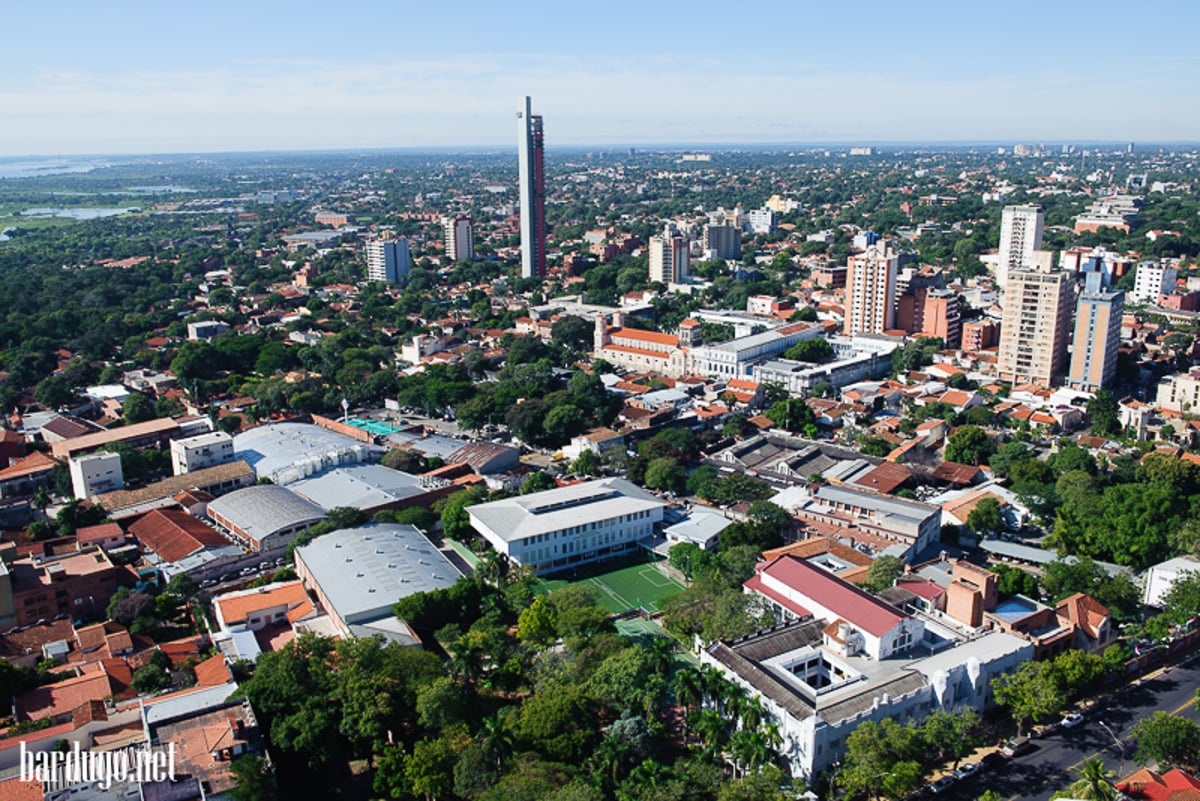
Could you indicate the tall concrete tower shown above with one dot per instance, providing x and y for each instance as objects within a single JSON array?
[{"x": 531, "y": 163}]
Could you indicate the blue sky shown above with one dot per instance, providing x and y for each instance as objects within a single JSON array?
[{"x": 137, "y": 77}]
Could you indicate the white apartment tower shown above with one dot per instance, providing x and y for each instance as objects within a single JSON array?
[
  {"x": 1020, "y": 236},
  {"x": 871, "y": 290},
  {"x": 387, "y": 259},
  {"x": 669, "y": 256},
  {"x": 1152, "y": 279},
  {"x": 460, "y": 238}
]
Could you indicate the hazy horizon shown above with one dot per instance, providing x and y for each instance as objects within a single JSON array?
[{"x": 135, "y": 77}]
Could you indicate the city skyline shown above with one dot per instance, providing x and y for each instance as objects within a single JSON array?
[{"x": 123, "y": 80}]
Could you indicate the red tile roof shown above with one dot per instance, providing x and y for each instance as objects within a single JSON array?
[
  {"x": 212, "y": 672},
  {"x": 104, "y": 531},
  {"x": 755, "y": 584},
  {"x": 644, "y": 336},
  {"x": 856, "y": 606},
  {"x": 174, "y": 534},
  {"x": 61, "y": 698}
]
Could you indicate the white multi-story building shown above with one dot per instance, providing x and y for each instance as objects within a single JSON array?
[
  {"x": 460, "y": 238},
  {"x": 1020, "y": 236},
  {"x": 763, "y": 221},
  {"x": 668, "y": 256},
  {"x": 847, "y": 657},
  {"x": 871, "y": 290},
  {"x": 95, "y": 474},
  {"x": 1180, "y": 393},
  {"x": 387, "y": 259},
  {"x": 857, "y": 359},
  {"x": 204, "y": 450},
  {"x": 735, "y": 358},
  {"x": 1153, "y": 279},
  {"x": 560, "y": 528}
]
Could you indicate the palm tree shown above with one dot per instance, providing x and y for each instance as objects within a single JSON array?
[
  {"x": 709, "y": 726},
  {"x": 688, "y": 686},
  {"x": 1094, "y": 783},
  {"x": 496, "y": 738},
  {"x": 42, "y": 499},
  {"x": 751, "y": 712},
  {"x": 608, "y": 758}
]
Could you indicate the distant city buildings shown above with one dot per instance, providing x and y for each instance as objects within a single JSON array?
[
  {"x": 532, "y": 174},
  {"x": 460, "y": 238},
  {"x": 387, "y": 260},
  {"x": 871, "y": 290}
]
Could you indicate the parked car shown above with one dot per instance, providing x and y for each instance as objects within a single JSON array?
[
  {"x": 966, "y": 770},
  {"x": 943, "y": 784},
  {"x": 1017, "y": 746},
  {"x": 1071, "y": 720},
  {"x": 989, "y": 761}
]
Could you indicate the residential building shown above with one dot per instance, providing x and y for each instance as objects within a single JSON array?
[
  {"x": 532, "y": 174},
  {"x": 388, "y": 260},
  {"x": 460, "y": 238},
  {"x": 927, "y": 308},
  {"x": 669, "y": 256},
  {"x": 1097, "y": 336},
  {"x": 1020, "y": 236},
  {"x": 95, "y": 473},
  {"x": 1035, "y": 327},
  {"x": 568, "y": 526},
  {"x": 259, "y": 607},
  {"x": 763, "y": 221},
  {"x": 1113, "y": 211},
  {"x": 78, "y": 583},
  {"x": 200, "y": 451},
  {"x": 1180, "y": 393},
  {"x": 722, "y": 241},
  {"x": 1146, "y": 785},
  {"x": 24, "y": 476},
  {"x": 980, "y": 335},
  {"x": 358, "y": 574},
  {"x": 1151, "y": 280},
  {"x": 871, "y": 290},
  {"x": 865, "y": 516},
  {"x": 206, "y": 330}
]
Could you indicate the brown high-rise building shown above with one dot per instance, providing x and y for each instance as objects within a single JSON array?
[{"x": 1036, "y": 326}]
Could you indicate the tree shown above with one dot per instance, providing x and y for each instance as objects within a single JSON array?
[
  {"x": 1181, "y": 602},
  {"x": 538, "y": 482},
  {"x": 137, "y": 408},
  {"x": 969, "y": 445},
  {"x": 586, "y": 464},
  {"x": 1031, "y": 693},
  {"x": 950, "y": 734},
  {"x": 884, "y": 572},
  {"x": 555, "y": 722},
  {"x": 254, "y": 780},
  {"x": 881, "y": 760},
  {"x": 810, "y": 350},
  {"x": 1168, "y": 740},
  {"x": 456, "y": 523},
  {"x": 794, "y": 415},
  {"x": 1094, "y": 783},
  {"x": 1103, "y": 413},
  {"x": 429, "y": 769},
  {"x": 986, "y": 517},
  {"x": 665, "y": 474}
]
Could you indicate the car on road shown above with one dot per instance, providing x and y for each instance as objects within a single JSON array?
[
  {"x": 943, "y": 784},
  {"x": 966, "y": 770},
  {"x": 1071, "y": 720}
]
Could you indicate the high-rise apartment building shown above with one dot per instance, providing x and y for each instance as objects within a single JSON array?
[
  {"x": 1097, "y": 335},
  {"x": 1153, "y": 278},
  {"x": 460, "y": 238},
  {"x": 1035, "y": 326},
  {"x": 669, "y": 256},
  {"x": 531, "y": 163},
  {"x": 763, "y": 221},
  {"x": 1020, "y": 236},
  {"x": 387, "y": 259},
  {"x": 871, "y": 290},
  {"x": 723, "y": 241}
]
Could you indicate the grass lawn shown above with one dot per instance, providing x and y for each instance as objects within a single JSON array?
[{"x": 622, "y": 585}]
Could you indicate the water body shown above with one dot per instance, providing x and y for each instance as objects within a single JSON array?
[
  {"x": 4, "y": 237},
  {"x": 79, "y": 214},
  {"x": 154, "y": 190},
  {"x": 31, "y": 168}
]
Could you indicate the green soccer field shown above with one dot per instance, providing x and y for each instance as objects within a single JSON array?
[{"x": 620, "y": 586}]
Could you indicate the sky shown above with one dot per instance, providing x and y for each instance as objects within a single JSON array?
[{"x": 134, "y": 76}]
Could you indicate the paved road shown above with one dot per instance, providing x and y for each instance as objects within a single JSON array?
[{"x": 1055, "y": 763}]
